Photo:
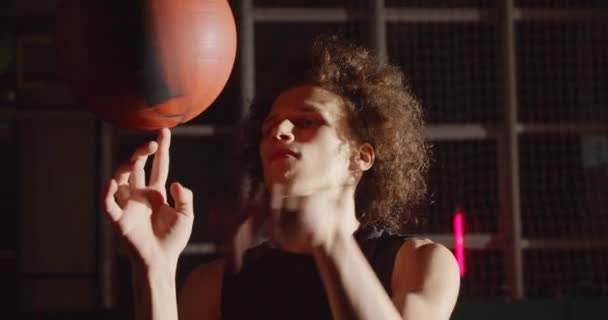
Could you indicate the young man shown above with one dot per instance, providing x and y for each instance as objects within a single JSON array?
[{"x": 340, "y": 159}]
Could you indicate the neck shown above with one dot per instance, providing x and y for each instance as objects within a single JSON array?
[
  {"x": 349, "y": 216},
  {"x": 345, "y": 215}
]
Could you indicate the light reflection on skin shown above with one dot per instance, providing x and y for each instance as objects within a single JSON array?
[{"x": 307, "y": 120}]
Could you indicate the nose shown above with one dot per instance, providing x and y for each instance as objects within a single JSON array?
[{"x": 284, "y": 131}]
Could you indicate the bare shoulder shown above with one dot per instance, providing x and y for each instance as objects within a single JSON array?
[
  {"x": 200, "y": 297},
  {"x": 427, "y": 272},
  {"x": 421, "y": 260},
  {"x": 411, "y": 245}
]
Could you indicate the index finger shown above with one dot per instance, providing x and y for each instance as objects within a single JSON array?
[{"x": 160, "y": 165}]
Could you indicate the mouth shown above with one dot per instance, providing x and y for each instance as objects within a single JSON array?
[{"x": 283, "y": 155}]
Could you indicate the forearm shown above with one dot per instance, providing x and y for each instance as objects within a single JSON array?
[
  {"x": 353, "y": 289},
  {"x": 154, "y": 293}
]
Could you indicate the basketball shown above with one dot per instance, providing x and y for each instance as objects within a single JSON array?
[{"x": 146, "y": 64}]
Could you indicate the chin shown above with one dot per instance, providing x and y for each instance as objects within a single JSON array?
[
  {"x": 293, "y": 186},
  {"x": 285, "y": 177},
  {"x": 300, "y": 188},
  {"x": 278, "y": 179}
]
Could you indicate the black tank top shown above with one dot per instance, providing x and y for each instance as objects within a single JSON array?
[{"x": 274, "y": 284}]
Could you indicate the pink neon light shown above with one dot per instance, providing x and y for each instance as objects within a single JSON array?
[{"x": 458, "y": 224}]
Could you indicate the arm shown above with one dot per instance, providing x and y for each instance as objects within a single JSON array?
[
  {"x": 425, "y": 282},
  {"x": 154, "y": 295},
  {"x": 153, "y": 232},
  {"x": 353, "y": 289}
]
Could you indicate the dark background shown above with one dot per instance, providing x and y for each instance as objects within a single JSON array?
[{"x": 57, "y": 258}]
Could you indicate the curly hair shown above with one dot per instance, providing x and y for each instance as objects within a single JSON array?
[{"x": 381, "y": 110}]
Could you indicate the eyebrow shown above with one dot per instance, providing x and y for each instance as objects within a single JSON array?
[{"x": 304, "y": 108}]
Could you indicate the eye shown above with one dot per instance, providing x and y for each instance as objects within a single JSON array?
[{"x": 306, "y": 123}]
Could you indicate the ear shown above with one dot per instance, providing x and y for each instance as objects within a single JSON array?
[{"x": 364, "y": 157}]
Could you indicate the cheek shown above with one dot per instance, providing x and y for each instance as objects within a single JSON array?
[{"x": 333, "y": 155}]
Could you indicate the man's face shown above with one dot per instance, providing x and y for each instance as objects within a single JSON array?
[{"x": 302, "y": 143}]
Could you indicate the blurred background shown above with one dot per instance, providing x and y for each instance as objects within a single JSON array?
[{"x": 516, "y": 99}]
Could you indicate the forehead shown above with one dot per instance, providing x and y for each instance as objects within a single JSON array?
[{"x": 308, "y": 98}]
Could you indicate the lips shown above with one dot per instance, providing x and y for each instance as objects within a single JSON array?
[{"x": 283, "y": 154}]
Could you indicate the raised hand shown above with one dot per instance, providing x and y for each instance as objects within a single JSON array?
[
  {"x": 294, "y": 223},
  {"x": 155, "y": 232},
  {"x": 302, "y": 223}
]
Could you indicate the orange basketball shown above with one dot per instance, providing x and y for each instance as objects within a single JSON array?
[{"x": 146, "y": 64}]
